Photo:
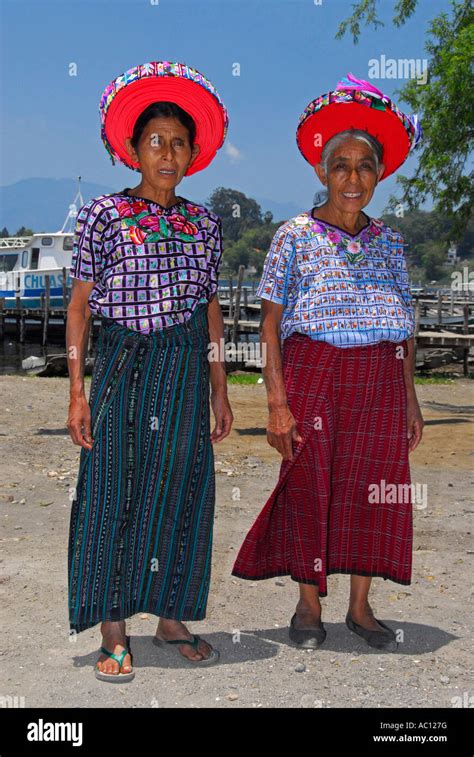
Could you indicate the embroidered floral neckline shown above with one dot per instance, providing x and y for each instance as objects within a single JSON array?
[
  {"x": 148, "y": 221},
  {"x": 179, "y": 200},
  {"x": 338, "y": 228},
  {"x": 340, "y": 240}
]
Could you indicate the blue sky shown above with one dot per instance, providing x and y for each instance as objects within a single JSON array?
[{"x": 286, "y": 49}]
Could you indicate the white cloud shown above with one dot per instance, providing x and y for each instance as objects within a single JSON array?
[{"x": 232, "y": 151}]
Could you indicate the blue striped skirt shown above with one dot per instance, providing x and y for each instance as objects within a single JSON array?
[{"x": 140, "y": 535}]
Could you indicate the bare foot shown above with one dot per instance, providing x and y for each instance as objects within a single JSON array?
[
  {"x": 113, "y": 639},
  {"x": 174, "y": 629}
]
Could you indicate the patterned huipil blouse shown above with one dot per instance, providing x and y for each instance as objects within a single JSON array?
[
  {"x": 152, "y": 265},
  {"x": 336, "y": 287}
]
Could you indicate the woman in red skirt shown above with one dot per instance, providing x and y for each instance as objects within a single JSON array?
[{"x": 337, "y": 326}]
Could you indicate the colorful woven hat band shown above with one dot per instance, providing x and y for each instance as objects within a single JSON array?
[
  {"x": 125, "y": 98},
  {"x": 357, "y": 104}
]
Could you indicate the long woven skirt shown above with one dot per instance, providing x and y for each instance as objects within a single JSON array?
[
  {"x": 343, "y": 504},
  {"x": 141, "y": 522}
]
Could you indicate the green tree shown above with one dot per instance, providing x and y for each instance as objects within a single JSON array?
[
  {"x": 23, "y": 231},
  {"x": 433, "y": 258},
  {"x": 445, "y": 105},
  {"x": 237, "y": 211},
  {"x": 250, "y": 249},
  {"x": 427, "y": 236}
]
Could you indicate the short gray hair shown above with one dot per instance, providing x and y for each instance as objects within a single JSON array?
[{"x": 363, "y": 136}]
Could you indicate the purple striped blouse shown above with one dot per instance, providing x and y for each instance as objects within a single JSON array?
[{"x": 151, "y": 265}]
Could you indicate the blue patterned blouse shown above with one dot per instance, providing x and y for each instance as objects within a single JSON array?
[{"x": 336, "y": 287}]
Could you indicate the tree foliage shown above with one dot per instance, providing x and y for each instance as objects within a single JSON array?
[
  {"x": 237, "y": 211},
  {"x": 445, "y": 105},
  {"x": 427, "y": 236}
]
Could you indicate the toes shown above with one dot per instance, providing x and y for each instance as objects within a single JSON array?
[
  {"x": 190, "y": 653},
  {"x": 204, "y": 650},
  {"x": 108, "y": 666},
  {"x": 126, "y": 667},
  {"x": 197, "y": 656}
]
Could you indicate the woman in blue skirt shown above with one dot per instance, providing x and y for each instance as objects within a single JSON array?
[{"x": 146, "y": 261}]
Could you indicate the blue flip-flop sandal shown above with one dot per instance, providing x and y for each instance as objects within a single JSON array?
[
  {"x": 116, "y": 677},
  {"x": 211, "y": 660}
]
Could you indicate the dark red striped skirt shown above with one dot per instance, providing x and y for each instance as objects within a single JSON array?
[{"x": 343, "y": 504}]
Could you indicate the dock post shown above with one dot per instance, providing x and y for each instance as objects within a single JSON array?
[
  {"x": 417, "y": 327},
  {"x": 46, "y": 309},
  {"x": 65, "y": 296},
  {"x": 465, "y": 312},
  {"x": 19, "y": 317},
  {"x": 235, "y": 327},
  {"x": 231, "y": 296},
  {"x": 2, "y": 322}
]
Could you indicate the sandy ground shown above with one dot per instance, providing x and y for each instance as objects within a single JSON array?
[{"x": 247, "y": 621}]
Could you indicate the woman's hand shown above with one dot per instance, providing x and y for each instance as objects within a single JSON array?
[
  {"x": 79, "y": 421},
  {"x": 282, "y": 431},
  {"x": 415, "y": 422},
  {"x": 77, "y": 334},
  {"x": 222, "y": 414}
]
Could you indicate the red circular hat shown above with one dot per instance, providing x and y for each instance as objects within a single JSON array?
[
  {"x": 127, "y": 96},
  {"x": 357, "y": 104}
]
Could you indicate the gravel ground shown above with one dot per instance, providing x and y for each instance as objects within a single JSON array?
[{"x": 44, "y": 667}]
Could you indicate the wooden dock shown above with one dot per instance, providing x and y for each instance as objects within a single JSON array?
[{"x": 444, "y": 325}]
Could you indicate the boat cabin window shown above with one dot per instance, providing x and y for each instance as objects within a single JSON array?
[
  {"x": 34, "y": 258},
  {"x": 47, "y": 241},
  {"x": 7, "y": 262},
  {"x": 24, "y": 259},
  {"x": 67, "y": 243}
]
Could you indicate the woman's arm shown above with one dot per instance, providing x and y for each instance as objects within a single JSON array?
[
  {"x": 218, "y": 377},
  {"x": 77, "y": 335},
  {"x": 281, "y": 428},
  {"x": 414, "y": 417},
  {"x": 409, "y": 368},
  {"x": 397, "y": 263}
]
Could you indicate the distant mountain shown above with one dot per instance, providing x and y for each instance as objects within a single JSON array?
[
  {"x": 282, "y": 211},
  {"x": 42, "y": 204}
]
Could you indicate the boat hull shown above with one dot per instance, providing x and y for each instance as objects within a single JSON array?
[{"x": 30, "y": 285}]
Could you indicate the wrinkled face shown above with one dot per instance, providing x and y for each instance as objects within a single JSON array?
[
  {"x": 164, "y": 152},
  {"x": 351, "y": 176}
]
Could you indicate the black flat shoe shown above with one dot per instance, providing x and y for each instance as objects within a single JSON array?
[
  {"x": 309, "y": 638},
  {"x": 377, "y": 639}
]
